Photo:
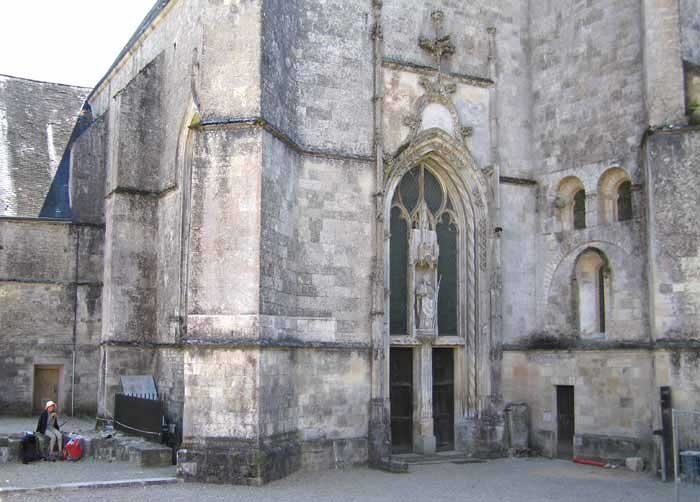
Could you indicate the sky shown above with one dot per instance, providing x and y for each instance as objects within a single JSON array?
[{"x": 66, "y": 41}]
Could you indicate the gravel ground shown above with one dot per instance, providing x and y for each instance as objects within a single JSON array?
[
  {"x": 522, "y": 480},
  {"x": 53, "y": 473}
]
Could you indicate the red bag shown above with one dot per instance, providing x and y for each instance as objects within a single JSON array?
[{"x": 73, "y": 449}]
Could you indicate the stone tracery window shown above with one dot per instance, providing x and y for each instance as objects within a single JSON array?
[{"x": 421, "y": 205}]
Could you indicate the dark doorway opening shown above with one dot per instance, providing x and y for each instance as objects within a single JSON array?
[
  {"x": 443, "y": 399},
  {"x": 565, "y": 421},
  {"x": 401, "y": 396}
]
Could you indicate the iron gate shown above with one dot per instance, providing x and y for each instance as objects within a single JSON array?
[{"x": 140, "y": 415}]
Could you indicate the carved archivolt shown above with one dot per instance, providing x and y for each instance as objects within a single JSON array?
[{"x": 440, "y": 146}]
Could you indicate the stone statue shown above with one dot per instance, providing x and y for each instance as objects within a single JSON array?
[
  {"x": 425, "y": 305},
  {"x": 425, "y": 249}
]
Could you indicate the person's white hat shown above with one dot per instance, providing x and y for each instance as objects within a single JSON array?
[{"x": 49, "y": 404}]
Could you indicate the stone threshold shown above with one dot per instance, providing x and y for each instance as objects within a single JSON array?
[
  {"x": 446, "y": 457},
  {"x": 119, "y": 483}
]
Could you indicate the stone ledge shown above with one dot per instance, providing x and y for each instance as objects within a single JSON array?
[{"x": 568, "y": 345}]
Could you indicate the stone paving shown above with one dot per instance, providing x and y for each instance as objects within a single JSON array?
[
  {"x": 521, "y": 480},
  {"x": 39, "y": 474}
]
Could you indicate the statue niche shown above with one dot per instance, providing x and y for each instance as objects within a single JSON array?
[{"x": 423, "y": 260}]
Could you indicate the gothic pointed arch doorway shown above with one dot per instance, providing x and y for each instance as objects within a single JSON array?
[{"x": 435, "y": 255}]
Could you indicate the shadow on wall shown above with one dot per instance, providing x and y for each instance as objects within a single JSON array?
[{"x": 57, "y": 203}]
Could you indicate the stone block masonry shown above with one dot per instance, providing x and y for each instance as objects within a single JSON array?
[
  {"x": 51, "y": 296},
  {"x": 244, "y": 160}
]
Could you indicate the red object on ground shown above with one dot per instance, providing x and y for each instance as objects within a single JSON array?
[
  {"x": 73, "y": 449},
  {"x": 585, "y": 461}
]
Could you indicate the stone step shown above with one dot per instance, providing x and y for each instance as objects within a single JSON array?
[
  {"x": 135, "y": 451},
  {"x": 121, "y": 449},
  {"x": 436, "y": 458}
]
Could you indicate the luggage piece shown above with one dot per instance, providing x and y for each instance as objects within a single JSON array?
[
  {"x": 29, "y": 448},
  {"x": 73, "y": 449}
]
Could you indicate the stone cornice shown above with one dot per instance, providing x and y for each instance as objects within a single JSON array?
[
  {"x": 241, "y": 343},
  {"x": 509, "y": 180},
  {"x": 605, "y": 345},
  {"x": 49, "y": 221},
  {"x": 261, "y": 122},
  {"x": 462, "y": 78}
]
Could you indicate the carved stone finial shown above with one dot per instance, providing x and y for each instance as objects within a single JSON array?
[
  {"x": 437, "y": 17},
  {"x": 437, "y": 88},
  {"x": 440, "y": 46}
]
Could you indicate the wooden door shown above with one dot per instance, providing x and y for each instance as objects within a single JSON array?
[
  {"x": 45, "y": 386},
  {"x": 565, "y": 421},
  {"x": 443, "y": 398},
  {"x": 401, "y": 396}
]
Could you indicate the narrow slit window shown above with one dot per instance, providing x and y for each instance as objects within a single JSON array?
[
  {"x": 580, "y": 209},
  {"x": 624, "y": 201},
  {"x": 601, "y": 298}
]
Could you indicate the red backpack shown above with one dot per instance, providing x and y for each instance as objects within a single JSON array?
[{"x": 73, "y": 450}]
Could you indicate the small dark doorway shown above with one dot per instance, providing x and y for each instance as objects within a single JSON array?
[
  {"x": 565, "y": 421},
  {"x": 443, "y": 398},
  {"x": 401, "y": 396}
]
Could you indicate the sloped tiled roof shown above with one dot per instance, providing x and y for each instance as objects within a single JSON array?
[{"x": 36, "y": 122}]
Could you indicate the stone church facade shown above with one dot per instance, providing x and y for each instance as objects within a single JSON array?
[{"x": 337, "y": 230}]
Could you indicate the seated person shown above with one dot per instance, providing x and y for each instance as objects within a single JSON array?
[{"x": 48, "y": 425}]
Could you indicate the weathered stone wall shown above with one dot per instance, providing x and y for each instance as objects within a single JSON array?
[
  {"x": 663, "y": 68},
  {"x": 36, "y": 121},
  {"x": 142, "y": 110},
  {"x": 614, "y": 398},
  {"x": 320, "y": 396},
  {"x": 88, "y": 171},
  {"x": 690, "y": 30},
  {"x": 680, "y": 369},
  {"x": 469, "y": 24},
  {"x": 50, "y": 290},
  {"x": 671, "y": 181},
  {"x": 588, "y": 103},
  {"x": 519, "y": 259}
]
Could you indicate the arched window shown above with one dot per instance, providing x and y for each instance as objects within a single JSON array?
[
  {"x": 592, "y": 285},
  {"x": 615, "y": 196},
  {"x": 580, "y": 209},
  {"x": 421, "y": 206},
  {"x": 624, "y": 201},
  {"x": 570, "y": 203}
]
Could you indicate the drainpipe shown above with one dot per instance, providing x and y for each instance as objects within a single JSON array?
[
  {"x": 75, "y": 319},
  {"x": 496, "y": 282}
]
